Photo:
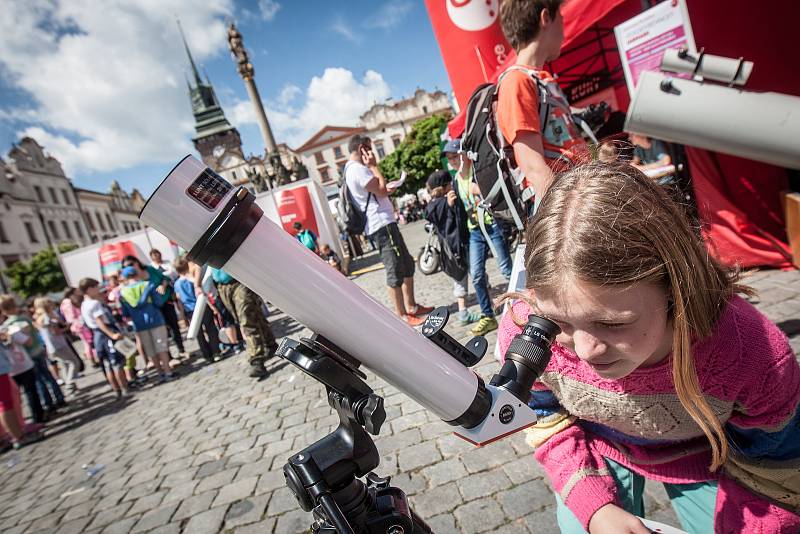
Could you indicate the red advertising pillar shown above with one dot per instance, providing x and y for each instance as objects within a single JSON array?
[
  {"x": 471, "y": 41},
  {"x": 295, "y": 205}
]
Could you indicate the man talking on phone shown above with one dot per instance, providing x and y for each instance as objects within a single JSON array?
[{"x": 369, "y": 190}]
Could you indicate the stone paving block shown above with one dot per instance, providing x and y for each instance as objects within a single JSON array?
[
  {"x": 194, "y": 505},
  {"x": 278, "y": 448},
  {"x": 76, "y": 526},
  {"x": 543, "y": 522},
  {"x": 409, "y": 421},
  {"x": 443, "y": 472},
  {"x": 208, "y": 522},
  {"x": 479, "y": 516},
  {"x": 450, "y": 445},
  {"x": 262, "y": 527},
  {"x": 142, "y": 490},
  {"x": 109, "y": 515},
  {"x": 79, "y": 510},
  {"x": 526, "y": 498},
  {"x": 147, "y": 503},
  {"x": 483, "y": 484},
  {"x": 180, "y": 491},
  {"x": 295, "y": 419},
  {"x": 442, "y": 523},
  {"x": 399, "y": 441},
  {"x": 236, "y": 491},
  {"x": 246, "y": 511},
  {"x": 155, "y": 518},
  {"x": 410, "y": 483},
  {"x": 18, "y": 529},
  {"x": 270, "y": 481},
  {"x": 435, "y": 429},
  {"x": 179, "y": 477},
  {"x": 492, "y": 455},
  {"x": 172, "y": 528},
  {"x": 216, "y": 480},
  {"x": 282, "y": 501},
  {"x": 109, "y": 501},
  {"x": 523, "y": 470},
  {"x": 436, "y": 501},
  {"x": 294, "y": 522},
  {"x": 418, "y": 456},
  {"x": 47, "y": 522},
  {"x": 242, "y": 445},
  {"x": 122, "y": 526}
]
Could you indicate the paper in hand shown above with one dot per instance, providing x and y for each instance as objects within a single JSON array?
[{"x": 394, "y": 184}]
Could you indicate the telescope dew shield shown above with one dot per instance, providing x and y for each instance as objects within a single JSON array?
[{"x": 223, "y": 227}]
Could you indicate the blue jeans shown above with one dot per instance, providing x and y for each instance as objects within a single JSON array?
[
  {"x": 478, "y": 252},
  {"x": 44, "y": 379}
]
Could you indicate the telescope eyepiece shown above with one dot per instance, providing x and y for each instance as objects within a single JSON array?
[{"x": 527, "y": 357}]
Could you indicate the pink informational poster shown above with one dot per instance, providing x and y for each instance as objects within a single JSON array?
[{"x": 642, "y": 40}]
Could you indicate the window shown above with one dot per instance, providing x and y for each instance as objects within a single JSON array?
[
  {"x": 39, "y": 194},
  {"x": 3, "y": 236},
  {"x": 379, "y": 149},
  {"x": 337, "y": 152},
  {"x": 319, "y": 158},
  {"x": 65, "y": 194},
  {"x": 424, "y": 109},
  {"x": 53, "y": 231},
  {"x": 234, "y": 176},
  {"x": 323, "y": 174},
  {"x": 30, "y": 231},
  {"x": 90, "y": 221},
  {"x": 100, "y": 222},
  {"x": 53, "y": 195},
  {"x": 67, "y": 232},
  {"x": 395, "y": 141},
  {"x": 110, "y": 222},
  {"x": 78, "y": 229}
]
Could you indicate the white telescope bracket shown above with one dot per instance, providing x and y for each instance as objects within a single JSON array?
[{"x": 507, "y": 416}]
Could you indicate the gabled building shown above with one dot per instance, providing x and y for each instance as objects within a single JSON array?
[{"x": 386, "y": 123}]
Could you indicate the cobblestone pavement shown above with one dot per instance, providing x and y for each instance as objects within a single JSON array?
[{"x": 204, "y": 453}]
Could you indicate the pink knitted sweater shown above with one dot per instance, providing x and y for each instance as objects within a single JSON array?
[{"x": 750, "y": 377}]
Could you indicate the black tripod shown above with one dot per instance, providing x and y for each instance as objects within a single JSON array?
[{"x": 325, "y": 476}]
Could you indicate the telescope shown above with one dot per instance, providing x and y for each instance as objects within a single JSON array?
[{"x": 221, "y": 226}]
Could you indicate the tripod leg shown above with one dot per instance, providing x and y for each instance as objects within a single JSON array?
[{"x": 420, "y": 526}]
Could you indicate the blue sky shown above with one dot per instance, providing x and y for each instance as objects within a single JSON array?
[{"x": 104, "y": 90}]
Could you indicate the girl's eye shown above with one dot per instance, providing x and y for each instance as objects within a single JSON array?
[{"x": 613, "y": 326}]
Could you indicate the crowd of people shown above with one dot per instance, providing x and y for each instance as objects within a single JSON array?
[{"x": 124, "y": 327}]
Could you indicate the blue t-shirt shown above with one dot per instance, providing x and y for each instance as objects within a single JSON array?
[
  {"x": 142, "y": 303},
  {"x": 184, "y": 288},
  {"x": 220, "y": 276}
]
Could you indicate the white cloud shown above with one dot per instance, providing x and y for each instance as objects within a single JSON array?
[
  {"x": 107, "y": 83},
  {"x": 336, "y": 98},
  {"x": 389, "y": 15},
  {"x": 268, "y": 9},
  {"x": 345, "y": 30}
]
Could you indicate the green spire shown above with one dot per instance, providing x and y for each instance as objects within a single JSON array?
[{"x": 197, "y": 79}]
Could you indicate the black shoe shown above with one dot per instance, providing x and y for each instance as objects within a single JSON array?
[{"x": 257, "y": 370}]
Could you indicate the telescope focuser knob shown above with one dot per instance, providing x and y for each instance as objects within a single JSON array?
[
  {"x": 372, "y": 414},
  {"x": 433, "y": 329}
]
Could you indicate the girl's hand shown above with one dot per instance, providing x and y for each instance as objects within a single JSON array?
[
  {"x": 451, "y": 198},
  {"x": 614, "y": 520}
]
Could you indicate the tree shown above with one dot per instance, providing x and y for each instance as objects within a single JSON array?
[
  {"x": 39, "y": 276},
  {"x": 419, "y": 154}
]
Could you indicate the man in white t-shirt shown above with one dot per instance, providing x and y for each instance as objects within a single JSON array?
[{"x": 368, "y": 188}]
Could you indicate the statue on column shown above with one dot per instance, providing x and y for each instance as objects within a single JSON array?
[
  {"x": 256, "y": 179},
  {"x": 239, "y": 54},
  {"x": 299, "y": 170}
]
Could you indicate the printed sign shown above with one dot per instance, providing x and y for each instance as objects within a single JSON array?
[
  {"x": 294, "y": 205},
  {"x": 642, "y": 40},
  {"x": 209, "y": 189}
]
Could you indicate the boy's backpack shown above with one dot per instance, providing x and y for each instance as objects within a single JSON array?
[
  {"x": 492, "y": 159},
  {"x": 354, "y": 219},
  {"x": 307, "y": 238}
]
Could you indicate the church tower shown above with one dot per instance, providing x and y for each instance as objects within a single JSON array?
[{"x": 215, "y": 135}]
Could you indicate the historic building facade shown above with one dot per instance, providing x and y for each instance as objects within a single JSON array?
[{"x": 387, "y": 124}]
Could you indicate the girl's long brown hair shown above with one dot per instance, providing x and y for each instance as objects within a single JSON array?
[{"x": 609, "y": 224}]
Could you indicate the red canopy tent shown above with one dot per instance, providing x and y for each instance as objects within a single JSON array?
[{"x": 738, "y": 200}]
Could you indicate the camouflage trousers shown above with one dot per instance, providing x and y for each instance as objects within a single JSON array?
[{"x": 245, "y": 305}]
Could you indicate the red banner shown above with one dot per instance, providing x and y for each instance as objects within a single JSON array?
[
  {"x": 111, "y": 255},
  {"x": 471, "y": 41},
  {"x": 294, "y": 205}
]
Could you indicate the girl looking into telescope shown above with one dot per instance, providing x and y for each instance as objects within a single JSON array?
[{"x": 662, "y": 371}]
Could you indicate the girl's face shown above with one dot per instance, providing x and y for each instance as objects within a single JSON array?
[{"x": 613, "y": 330}]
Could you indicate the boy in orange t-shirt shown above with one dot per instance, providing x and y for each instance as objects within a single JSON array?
[{"x": 535, "y": 29}]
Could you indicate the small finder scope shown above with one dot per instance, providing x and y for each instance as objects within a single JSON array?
[{"x": 527, "y": 357}]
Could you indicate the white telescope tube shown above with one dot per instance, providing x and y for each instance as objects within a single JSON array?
[{"x": 276, "y": 266}]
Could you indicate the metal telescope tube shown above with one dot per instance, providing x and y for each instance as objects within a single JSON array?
[{"x": 192, "y": 206}]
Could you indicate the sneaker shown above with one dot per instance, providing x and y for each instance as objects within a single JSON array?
[
  {"x": 466, "y": 317},
  {"x": 257, "y": 370},
  {"x": 421, "y": 311},
  {"x": 484, "y": 326},
  {"x": 239, "y": 347},
  {"x": 126, "y": 392},
  {"x": 27, "y": 439},
  {"x": 413, "y": 320}
]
